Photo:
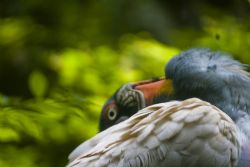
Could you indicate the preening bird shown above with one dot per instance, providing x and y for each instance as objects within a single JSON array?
[{"x": 159, "y": 135}]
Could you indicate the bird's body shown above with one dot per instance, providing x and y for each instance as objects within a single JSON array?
[
  {"x": 191, "y": 133},
  {"x": 213, "y": 77}
]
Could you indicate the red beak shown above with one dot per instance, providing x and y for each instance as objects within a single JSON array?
[{"x": 153, "y": 88}]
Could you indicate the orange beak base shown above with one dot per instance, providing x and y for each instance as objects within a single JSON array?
[{"x": 154, "y": 88}]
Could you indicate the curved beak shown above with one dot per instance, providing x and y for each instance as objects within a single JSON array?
[{"x": 154, "y": 88}]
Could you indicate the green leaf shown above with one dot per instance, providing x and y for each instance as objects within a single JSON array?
[
  {"x": 8, "y": 134},
  {"x": 38, "y": 84}
]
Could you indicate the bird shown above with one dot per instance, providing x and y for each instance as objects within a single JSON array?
[{"x": 213, "y": 77}]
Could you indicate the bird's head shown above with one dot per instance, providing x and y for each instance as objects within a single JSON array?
[
  {"x": 211, "y": 76},
  {"x": 131, "y": 97}
]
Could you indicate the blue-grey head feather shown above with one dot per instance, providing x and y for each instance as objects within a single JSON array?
[{"x": 216, "y": 78}]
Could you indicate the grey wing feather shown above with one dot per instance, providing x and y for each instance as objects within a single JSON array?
[{"x": 245, "y": 155}]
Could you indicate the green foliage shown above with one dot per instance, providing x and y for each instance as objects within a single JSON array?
[
  {"x": 65, "y": 118},
  {"x": 94, "y": 69},
  {"x": 38, "y": 84},
  {"x": 227, "y": 34},
  {"x": 60, "y": 61},
  {"x": 39, "y": 128}
]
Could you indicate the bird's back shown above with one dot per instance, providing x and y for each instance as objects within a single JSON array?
[{"x": 191, "y": 133}]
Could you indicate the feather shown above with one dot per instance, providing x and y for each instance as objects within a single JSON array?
[
  {"x": 170, "y": 140},
  {"x": 245, "y": 158}
]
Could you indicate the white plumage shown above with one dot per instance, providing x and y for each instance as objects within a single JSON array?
[{"x": 190, "y": 133}]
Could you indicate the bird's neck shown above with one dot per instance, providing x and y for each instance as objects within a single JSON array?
[{"x": 237, "y": 105}]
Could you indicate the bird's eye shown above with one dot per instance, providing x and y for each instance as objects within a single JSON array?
[{"x": 112, "y": 114}]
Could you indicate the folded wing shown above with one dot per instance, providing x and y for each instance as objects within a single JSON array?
[{"x": 176, "y": 134}]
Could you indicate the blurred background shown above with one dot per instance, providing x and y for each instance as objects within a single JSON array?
[{"x": 60, "y": 61}]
